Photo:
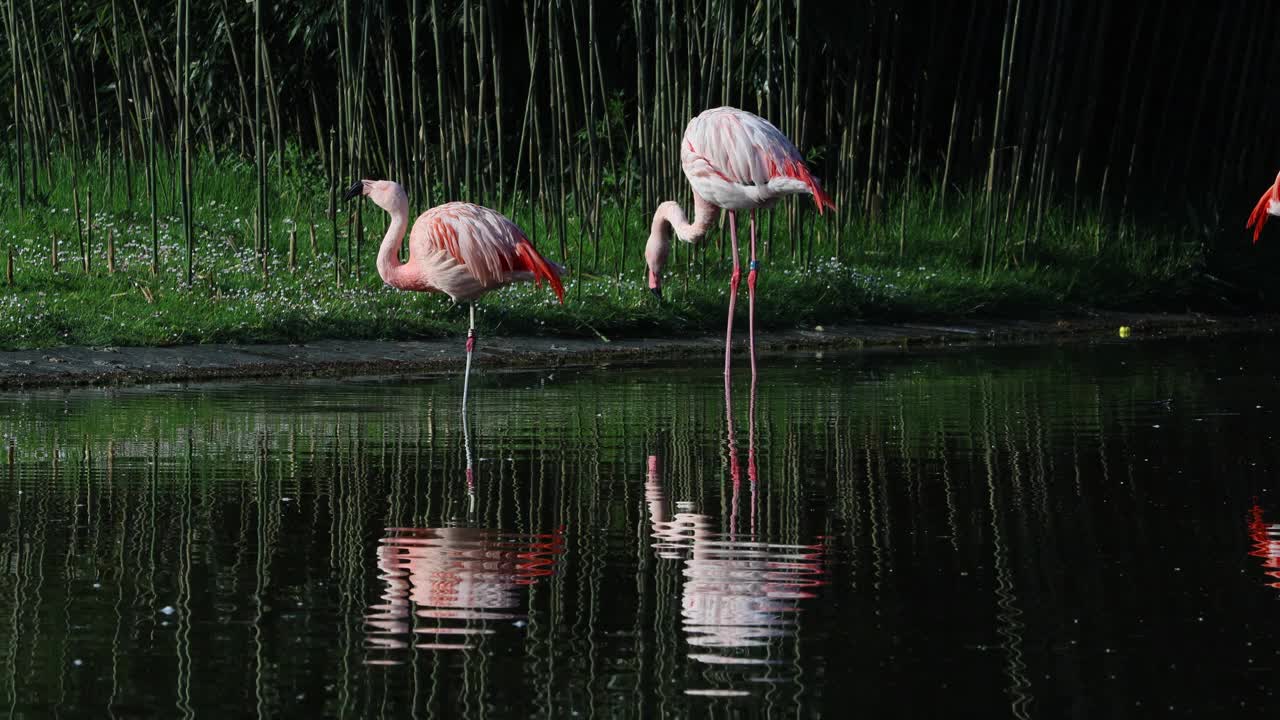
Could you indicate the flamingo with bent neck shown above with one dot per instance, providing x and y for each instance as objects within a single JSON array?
[
  {"x": 459, "y": 249},
  {"x": 734, "y": 160}
]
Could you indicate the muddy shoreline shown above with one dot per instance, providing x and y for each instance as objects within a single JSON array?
[{"x": 334, "y": 358}]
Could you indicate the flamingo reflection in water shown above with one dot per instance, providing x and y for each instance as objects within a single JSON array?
[
  {"x": 446, "y": 586},
  {"x": 741, "y": 596},
  {"x": 456, "y": 581},
  {"x": 1266, "y": 543}
]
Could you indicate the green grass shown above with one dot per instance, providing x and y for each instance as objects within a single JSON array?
[{"x": 921, "y": 263}]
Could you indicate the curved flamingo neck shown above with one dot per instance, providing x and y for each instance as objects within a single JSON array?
[
  {"x": 670, "y": 217},
  {"x": 390, "y": 268}
]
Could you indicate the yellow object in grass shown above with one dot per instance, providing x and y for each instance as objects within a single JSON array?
[{"x": 1124, "y": 331}]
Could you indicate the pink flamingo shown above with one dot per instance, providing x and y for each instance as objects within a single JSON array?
[
  {"x": 459, "y": 249},
  {"x": 1269, "y": 204},
  {"x": 735, "y": 161}
]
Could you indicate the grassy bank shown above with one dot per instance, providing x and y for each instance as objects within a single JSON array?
[{"x": 917, "y": 258}]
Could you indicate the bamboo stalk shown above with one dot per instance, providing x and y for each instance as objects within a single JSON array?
[
  {"x": 235, "y": 62},
  {"x": 18, "y": 106},
  {"x": 499, "y": 184},
  {"x": 118, "y": 65},
  {"x": 261, "y": 239},
  {"x": 420, "y": 175},
  {"x": 440, "y": 97},
  {"x": 1006, "y": 53},
  {"x": 88, "y": 241},
  {"x": 188, "y": 201},
  {"x": 152, "y": 190}
]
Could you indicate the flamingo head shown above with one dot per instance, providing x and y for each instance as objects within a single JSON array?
[
  {"x": 386, "y": 194},
  {"x": 655, "y": 257}
]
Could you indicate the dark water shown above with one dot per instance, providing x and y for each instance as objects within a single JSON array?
[{"x": 1088, "y": 532}]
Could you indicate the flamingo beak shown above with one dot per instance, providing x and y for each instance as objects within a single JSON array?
[
  {"x": 356, "y": 190},
  {"x": 655, "y": 285}
]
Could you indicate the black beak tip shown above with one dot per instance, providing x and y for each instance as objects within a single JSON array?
[
  {"x": 657, "y": 292},
  {"x": 356, "y": 190}
]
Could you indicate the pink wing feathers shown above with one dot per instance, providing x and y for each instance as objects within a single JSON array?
[
  {"x": 487, "y": 244},
  {"x": 1269, "y": 204},
  {"x": 743, "y": 149}
]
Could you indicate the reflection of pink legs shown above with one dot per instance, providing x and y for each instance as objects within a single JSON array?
[
  {"x": 753, "y": 267},
  {"x": 752, "y": 474},
  {"x": 735, "y": 470},
  {"x": 733, "y": 290}
]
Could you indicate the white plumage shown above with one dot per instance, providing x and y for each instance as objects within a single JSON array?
[{"x": 739, "y": 161}]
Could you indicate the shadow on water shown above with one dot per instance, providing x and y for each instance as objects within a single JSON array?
[{"x": 1029, "y": 532}]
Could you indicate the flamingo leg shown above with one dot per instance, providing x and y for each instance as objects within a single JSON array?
[
  {"x": 753, "y": 267},
  {"x": 471, "y": 346},
  {"x": 466, "y": 443},
  {"x": 733, "y": 293}
]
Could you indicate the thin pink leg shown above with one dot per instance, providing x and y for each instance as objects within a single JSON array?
[
  {"x": 466, "y": 434},
  {"x": 471, "y": 346},
  {"x": 751, "y": 295},
  {"x": 733, "y": 292}
]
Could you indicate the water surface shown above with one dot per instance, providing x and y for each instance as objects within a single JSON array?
[{"x": 1084, "y": 531}]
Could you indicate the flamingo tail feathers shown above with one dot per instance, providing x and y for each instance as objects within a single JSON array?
[
  {"x": 798, "y": 170},
  {"x": 1258, "y": 217},
  {"x": 820, "y": 197},
  {"x": 541, "y": 269}
]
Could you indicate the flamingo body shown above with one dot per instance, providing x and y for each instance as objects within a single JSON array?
[
  {"x": 1268, "y": 204},
  {"x": 739, "y": 161},
  {"x": 459, "y": 249},
  {"x": 466, "y": 250}
]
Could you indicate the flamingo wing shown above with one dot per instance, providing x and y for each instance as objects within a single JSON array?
[
  {"x": 743, "y": 149},
  {"x": 484, "y": 244}
]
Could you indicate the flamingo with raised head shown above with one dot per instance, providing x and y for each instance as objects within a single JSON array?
[
  {"x": 459, "y": 249},
  {"x": 1268, "y": 204},
  {"x": 734, "y": 160}
]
